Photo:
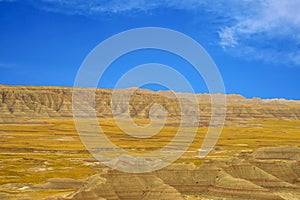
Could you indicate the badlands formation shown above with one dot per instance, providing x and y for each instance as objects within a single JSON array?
[
  {"x": 18, "y": 103},
  {"x": 41, "y": 156},
  {"x": 268, "y": 173}
]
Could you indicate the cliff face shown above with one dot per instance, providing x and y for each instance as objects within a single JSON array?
[
  {"x": 34, "y": 102},
  {"x": 17, "y": 103}
]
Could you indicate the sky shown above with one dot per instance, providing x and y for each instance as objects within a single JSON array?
[{"x": 254, "y": 44}]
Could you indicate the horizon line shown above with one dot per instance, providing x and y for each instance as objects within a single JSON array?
[{"x": 155, "y": 91}]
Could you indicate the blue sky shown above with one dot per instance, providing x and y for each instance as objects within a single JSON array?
[{"x": 255, "y": 44}]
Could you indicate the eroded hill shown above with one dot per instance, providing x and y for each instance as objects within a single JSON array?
[
  {"x": 41, "y": 154},
  {"x": 21, "y": 103},
  {"x": 268, "y": 173}
]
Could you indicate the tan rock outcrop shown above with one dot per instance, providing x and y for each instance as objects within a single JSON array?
[
  {"x": 20, "y": 103},
  {"x": 240, "y": 177}
]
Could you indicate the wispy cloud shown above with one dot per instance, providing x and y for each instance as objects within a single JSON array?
[
  {"x": 95, "y": 7},
  {"x": 266, "y": 30},
  {"x": 227, "y": 38},
  {"x": 271, "y": 32}
]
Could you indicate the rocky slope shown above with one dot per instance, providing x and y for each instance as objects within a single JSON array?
[
  {"x": 268, "y": 173},
  {"x": 21, "y": 103}
]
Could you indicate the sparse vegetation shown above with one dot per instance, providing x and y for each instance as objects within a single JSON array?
[{"x": 32, "y": 153}]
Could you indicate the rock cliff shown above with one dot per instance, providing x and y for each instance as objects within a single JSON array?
[{"x": 23, "y": 103}]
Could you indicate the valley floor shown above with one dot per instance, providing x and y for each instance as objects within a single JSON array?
[{"x": 44, "y": 158}]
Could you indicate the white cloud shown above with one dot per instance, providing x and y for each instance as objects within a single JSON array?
[
  {"x": 227, "y": 38},
  {"x": 271, "y": 32},
  {"x": 272, "y": 14},
  {"x": 94, "y": 7},
  {"x": 267, "y": 30}
]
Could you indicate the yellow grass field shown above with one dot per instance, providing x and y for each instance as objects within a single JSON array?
[{"x": 36, "y": 151}]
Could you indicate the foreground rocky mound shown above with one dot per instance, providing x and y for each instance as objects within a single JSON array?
[
  {"x": 135, "y": 187},
  {"x": 268, "y": 173},
  {"x": 23, "y": 103}
]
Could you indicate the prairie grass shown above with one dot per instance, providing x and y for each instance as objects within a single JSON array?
[{"x": 33, "y": 153}]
